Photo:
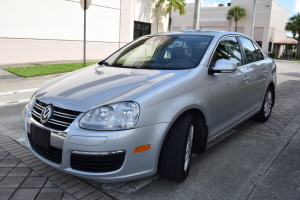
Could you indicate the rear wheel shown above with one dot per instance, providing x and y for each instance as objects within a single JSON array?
[
  {"x": 267, "y": 106},
  {"x": 176, "y": 152}
]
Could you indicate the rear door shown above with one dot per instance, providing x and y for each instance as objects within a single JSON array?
[
  {"x": 257, "y": 67},
  {"x": 230, "y": 91}
]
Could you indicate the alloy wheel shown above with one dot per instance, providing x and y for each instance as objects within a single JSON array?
[
  {"x": 189, "y": 146},
  {"x": 268, "y": 104}
]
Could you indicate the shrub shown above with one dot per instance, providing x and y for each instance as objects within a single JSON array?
[{"x": 271, "y": 55}]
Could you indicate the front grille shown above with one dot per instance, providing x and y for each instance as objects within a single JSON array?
[
  {"x": 97, "y": 163},
  {"x": 53, "y": 154},
  {"x": 61, "y": 118}
]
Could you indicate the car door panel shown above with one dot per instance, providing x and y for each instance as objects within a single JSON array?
[
  {"x": 229, "y": 90},
  {"x": 257, "y": 73},
  {"x": 257, "y": 67}
]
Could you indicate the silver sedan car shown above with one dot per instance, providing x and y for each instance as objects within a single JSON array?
[{"x": 150, "y": 105}]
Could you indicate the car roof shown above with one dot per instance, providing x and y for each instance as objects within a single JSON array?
[{"x": 200, "y": 32}]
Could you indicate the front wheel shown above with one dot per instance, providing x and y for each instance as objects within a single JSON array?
[
  {"x": 266, "y": 109},
  {"x": 176, "y": 152}
]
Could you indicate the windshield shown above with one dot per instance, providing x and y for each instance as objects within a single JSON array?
[{"x": 162, "y": 52}]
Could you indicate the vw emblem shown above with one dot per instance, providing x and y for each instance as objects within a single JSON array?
[{"x": 46, "y": 114}]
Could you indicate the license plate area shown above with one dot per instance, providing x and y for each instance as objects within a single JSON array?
[{"x": 40, "y": 136}]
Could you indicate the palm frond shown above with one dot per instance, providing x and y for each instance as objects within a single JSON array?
[
  {"x": 173, "y": 5},
  {"x": 236, "y": 13},
  {"x": 159, "y": 3},
  {"x": 293, "y": 25}
]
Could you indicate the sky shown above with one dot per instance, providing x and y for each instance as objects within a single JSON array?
[{"x": 292, "y": 5}]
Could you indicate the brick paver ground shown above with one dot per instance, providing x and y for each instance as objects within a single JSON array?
[
  {"x": 283, "y": 122},
  {"x": 23, "y": 176}
]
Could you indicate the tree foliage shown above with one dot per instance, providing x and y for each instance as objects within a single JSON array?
[
  {"x": 236, "y": 13},
  {"x": 171, "y": 5},
  {"x": 291, "y": 27},
  {"x": 294, "y": 26}
]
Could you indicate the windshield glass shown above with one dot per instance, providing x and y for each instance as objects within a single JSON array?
[{"x": 162, "y": 52}]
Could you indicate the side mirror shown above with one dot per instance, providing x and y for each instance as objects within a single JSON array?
[{"x": 224, "y": 66}]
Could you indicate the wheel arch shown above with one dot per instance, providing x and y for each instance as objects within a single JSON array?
[
  {"x": 198, "y": 115},
  {"x": 272, "y": 85}
]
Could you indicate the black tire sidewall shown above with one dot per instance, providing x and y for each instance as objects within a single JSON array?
[
  {"x": 173, "y": 152},
  {"x": 260, "y": 116}
]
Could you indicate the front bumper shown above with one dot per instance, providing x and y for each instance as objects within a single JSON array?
[{"x": 75, "y": 139}]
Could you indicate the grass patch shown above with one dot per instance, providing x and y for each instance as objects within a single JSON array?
[{"x": 40, "y": 70}]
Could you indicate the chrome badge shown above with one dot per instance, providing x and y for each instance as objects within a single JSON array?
[{"x": 46, "y": 114}]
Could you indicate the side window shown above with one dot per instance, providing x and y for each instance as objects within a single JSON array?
[
  {"x": 227, "y": 49},
  {"x": 250, "y": 51},
  {"x": 259, "y": 53}
]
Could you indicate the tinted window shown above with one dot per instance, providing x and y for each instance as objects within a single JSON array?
[
  {"x": 162, "y": 52},
  {"x": 227, "y": 49},
  {"x": 250, "y": 51},
  {"x": 140, "y": 29},
  {"x": 258, "y": 51},
  {"x": 270, "y": 46},
  {"x": 259, "y": 43}
]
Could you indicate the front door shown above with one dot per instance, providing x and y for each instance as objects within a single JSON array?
[{"x": 230, "y": 91}]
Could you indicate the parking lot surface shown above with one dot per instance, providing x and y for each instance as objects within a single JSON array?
[{"x": 252, "y": 161}]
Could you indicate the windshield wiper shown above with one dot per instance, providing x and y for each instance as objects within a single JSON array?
[
  {"x": 103, "y": 62},
  {"x": 134, "y": 67}
]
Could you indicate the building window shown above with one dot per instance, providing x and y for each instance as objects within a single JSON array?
[
  {"x": 141, "y": 28},
  {"x": 259, "y": 43},
  {"x": 270, "y": 46}
]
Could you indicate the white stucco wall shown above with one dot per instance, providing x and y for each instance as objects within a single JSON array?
[
  {"x": 269, "y": 15},
  {"x": 59, "y": 19},
  {"x": 35, "y": 30},
  {"x": 145, "y": 11}
]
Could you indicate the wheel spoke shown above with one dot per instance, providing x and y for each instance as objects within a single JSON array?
[
  {"x": 188, "y": 150},
  {"x": 268, "y": 103}
]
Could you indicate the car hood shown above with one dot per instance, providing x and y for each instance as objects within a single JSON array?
[{"x": 93, "y": 86}]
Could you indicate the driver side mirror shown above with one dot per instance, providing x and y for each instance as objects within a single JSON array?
[{"x": 224, "y": 66}]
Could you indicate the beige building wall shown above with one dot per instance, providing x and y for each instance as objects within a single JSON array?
[
  {"x": 145, "y": 11},
  {"x": 279, "y": 18},
  {"x": 270, "y": 20},
  {"x": 52, "y": 30},
  {"x": 49, "y": 30}
]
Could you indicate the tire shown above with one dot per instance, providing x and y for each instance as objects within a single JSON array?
[
  {"x": 176, "y": 151},
  {"x": 200, "y": 136},
  {"x": 266, "y": 109}
]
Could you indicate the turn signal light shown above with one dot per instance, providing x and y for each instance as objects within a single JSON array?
[{"x": 142, "y": 148}]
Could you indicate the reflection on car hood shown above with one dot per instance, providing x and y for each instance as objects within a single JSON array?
[{"x": 88, "y": 88}]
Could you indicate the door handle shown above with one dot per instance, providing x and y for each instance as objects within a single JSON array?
[{"x": 246, "y": 79}]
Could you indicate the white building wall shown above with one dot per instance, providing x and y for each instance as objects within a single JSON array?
[
  {"x": 35, "y": 30},
  {"x": 269, "y": 15},
  {"x": 145, "y": 11},
  {"x": 279, "y": 18}
]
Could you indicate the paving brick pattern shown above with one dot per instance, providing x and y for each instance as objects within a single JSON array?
[
  {"x": 283, "y": 122},
  {"x": 23, "y": 176}
]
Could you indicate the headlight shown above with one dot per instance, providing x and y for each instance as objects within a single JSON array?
[
  {"x": 32, "y": 98},
  {"x": 27, "y": 106},
  {"x": 117, "y": 116},
  {"x": 24, "y": 113}
]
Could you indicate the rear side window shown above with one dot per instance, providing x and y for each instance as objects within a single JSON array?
[
  {"x": 250, "y": 51},
  {"x": 227, "y": 49},
  {"x": 258, "y": 51}
]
